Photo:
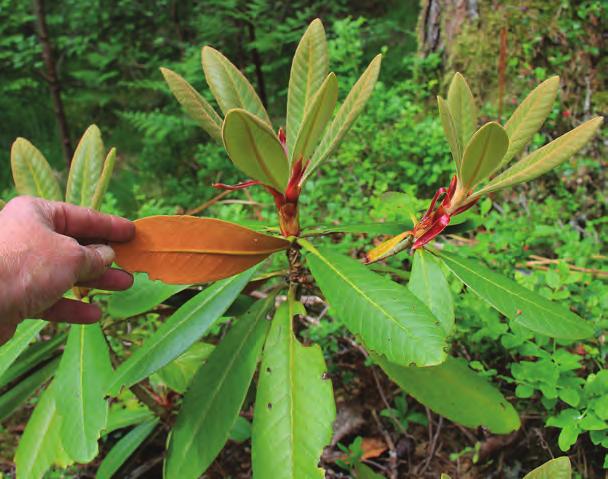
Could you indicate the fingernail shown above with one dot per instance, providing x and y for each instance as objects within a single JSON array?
[{"x": 106, "y": 253}]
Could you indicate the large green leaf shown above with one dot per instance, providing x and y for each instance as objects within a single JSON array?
[
  {"x": 558, "y": 468},
  {"x": 32, "y": 173},
  {"x": 529, "y": 116},
  {"x": 194, "y": 104},
  {"x": 545, "y": 158},
  {"x": 517, "y": 303},
  {"x": 124, "y": 448},
  {"x": 347, "y": 114},
  {"x": 216, "y": 396},
  {"x": 9, "y": 351},
  {"x": 315, "y": 120},
  {"x": 180, "y": 331},
  {"x": 429, "y": 284},
  {"x": 229, "y": 86},
  {"x": 179, "y": 373},
  {"x": 86, "y": 167},
  {"x": 104, "y": 179},
  {"x": 483, "y": 154},
  {"x": 40, "y": 445},
  {"x": 255, "y": 149},
  {"x": 308, "y": 70},
  {"x": 294, "y": 406},
  {"x": 455, "y": 391},
  {"x": 386, "y": 316},
  {"x": 82, "y": 379},
  {"x": 451, "y": 134},
  {"x": 120, "y": 417},
  {"x": 462, "y": 107},
  {"x": 141, "y": 297}
]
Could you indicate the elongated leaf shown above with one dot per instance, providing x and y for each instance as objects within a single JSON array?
[
  {"x": 451, "y": 134},
  {"x": 82, "y": 378},
  {"x": 40, "y": 445},
  {"x": 194, "y": 104},
  {"x": 364, "y": 472},
  {"x": 86, "y": 167},
  {"x": 545, "y": 158},
  {"x": 456, "y": 392},
  {"x": 315, "y": 120},
  {"x": 255, "y": 149},
  {"x": 517, "y": 303},
  {"x": 179, "y": 373},
  {"x": 24, "y": 334},
  {"x": 390, "y": 247},
  {"x": 347, "y": 114},
  {"x": 386, "y": 316},
  {"x": 179, "y": 332},
  {"x": 483, "y": 154},
  {"x": 21, "y": 391},
  {"x": 429, "y": 284},
  {"x": 216, "y": 395},
  {"x": 388, "y": 228},
  {"x": 32, "y": 173},
  {"x": 119, "y": 417},
  {"x": 144, "y": 295},
  {"x": 294, "y": 406},
  {"x": 462, "y": 107},
  {"x": 529, "y": 116},
  {"x": 229, "y": 86},
  {"x": 104, "y": 179},
  {"x": 187, "y": 249},
  {"x": 558, "y": 468},
  {"x": 308, "y": 70},
  {"x": 124, "y": 448}
]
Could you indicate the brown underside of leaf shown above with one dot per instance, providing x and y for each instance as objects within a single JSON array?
[{"x": 187, "y": 249}]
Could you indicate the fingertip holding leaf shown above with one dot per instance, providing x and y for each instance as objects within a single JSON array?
[{"x": 187, "y": 250}]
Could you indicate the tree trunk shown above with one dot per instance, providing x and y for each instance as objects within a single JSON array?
[{"x": 53, "y": 79}]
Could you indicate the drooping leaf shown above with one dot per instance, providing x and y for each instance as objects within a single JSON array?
[
  {"x": 104, "y": 179},
  {"x": 255, "y": 149},
  {"x": 144, "y": 295},
  {"x": 386, "y": 316},
  {"x": 315, "y": 120},
  {"x": 124, "y": 448},
  {"x": 294, "y": 406},
  {"x": 365, "y": 472},
  {"x": 82, "y": 379},
  {"x": 347, "y": 114},
  {"x": 529, "y": 116},
  {"x": 455, "y": 391},
  {"x": 309, "y": 68},
  {"x": 179, "y": 372},
  {"x": 32, "y": 173},
  {"x": 26, "y": 331},
  {"x": 517, "y": 303},
  {"x": 216, "y": 395},
  {"x": 451, "y": 134},
  {"x": 186, "y": 249},
  {"x": 229, "y": 86},
  {"x": 544, "y": 159},
  {"x": 85, "y": 169},
  {"x": 558, "y": 468},
  {"x": 462, "y": 107},
  {"x": 483, "y": 154},
  {"x": 194, "y": 104},
  {"x": 429, "y": 284},
  {"x": 179, "y": 332},
  {"x": 40, "y": 445}
]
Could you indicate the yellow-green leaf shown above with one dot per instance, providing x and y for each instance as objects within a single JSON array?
[
  {"x": 315, "y": 119},
  {"x": 32, "y": 173},
  {"x": 558, "y": 468},
  {"x": 308, "y": 70},
  {"x": 255, "y": 149},
  {"x": 449, "y": 128},
  {"x": 462, "y": 107},
  {"x": 545, "y": 158},
  {"x": 483, "y": 154},
  {"x": 194, "y": 104},
  {"x": 85, "y": 169},
  {"x": 347, "y": 114},
  {"x": 229, "y": 86},
  {"x": 104, "y": 180},
  {"x": 529, "y": 116}
]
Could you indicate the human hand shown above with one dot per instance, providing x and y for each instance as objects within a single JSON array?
[{"x": 47, "y": 247}]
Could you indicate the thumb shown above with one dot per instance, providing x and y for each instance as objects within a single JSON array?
[{"x": 97, "y": 258}]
